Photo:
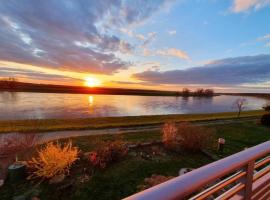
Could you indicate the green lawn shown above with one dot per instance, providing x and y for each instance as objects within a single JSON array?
[
  {"x": 110, "y": 122},
  {"x": 121, "y": 179}
]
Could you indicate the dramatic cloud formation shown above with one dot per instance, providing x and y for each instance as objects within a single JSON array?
[
  {"x": 245, "y": 5},
  {"x": 229, "y": 71},
  {"x": 66, "y": 34}
]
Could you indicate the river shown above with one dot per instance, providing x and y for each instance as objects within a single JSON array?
[{"x": 23, "y": 105}]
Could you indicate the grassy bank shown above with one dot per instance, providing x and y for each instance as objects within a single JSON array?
[
  {"x": 111, "y": 122},
  {"x": 121, "y": 179},
  {"x": 238, "y": 135}
]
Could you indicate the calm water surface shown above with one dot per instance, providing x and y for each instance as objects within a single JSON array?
[{"x": 43, "y": 105}]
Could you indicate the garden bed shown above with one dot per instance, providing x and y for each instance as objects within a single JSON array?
[{"x": 121, "y": 179}]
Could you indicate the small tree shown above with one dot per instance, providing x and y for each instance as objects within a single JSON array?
[
  {"x": 240, "y": 104},
  {"x": 208, "y": 92},
  {"x": 199, "y": 92},
  {"x": 185, "y": 92},
  {"x": 267, "y": 107}
]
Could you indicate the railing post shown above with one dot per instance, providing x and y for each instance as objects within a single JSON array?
[{"x": 249, "y": 180}]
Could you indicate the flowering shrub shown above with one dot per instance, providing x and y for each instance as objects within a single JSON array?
[
  {"x": 153, "y": 180},
  {"x": 106, "y": 153},
  {"x": 186, "y": 136},
  {"x": 53, "y": 159}
]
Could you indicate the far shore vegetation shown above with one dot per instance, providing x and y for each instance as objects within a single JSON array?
[
  {"x": 45, "y": 125},
  {"x": 13, "y": 85}
]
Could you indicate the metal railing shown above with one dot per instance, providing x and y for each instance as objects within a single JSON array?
[{"x": 244, "y": 175}]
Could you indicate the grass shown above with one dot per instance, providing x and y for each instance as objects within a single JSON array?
[
  {"x": 121, "y": 179},
  {"x": 44, "y": 125},
  {"x": 238, "y": 136}
]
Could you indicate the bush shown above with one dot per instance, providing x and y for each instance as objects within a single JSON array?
[
  {"x": 208, "y": 92},
  {"x": 186, "y": 136},
  {"x": 185, "y": 92},
  {"x": 106, "y": 153},
  {"x": 52, "y": 160},
  {"x": 267, "y": 107},
  {"x": 169, "y": 135},
  {"x": 265, "y": 120},
  {"x": 152, "y": 181},
  {"x": 17, "y": 143}
]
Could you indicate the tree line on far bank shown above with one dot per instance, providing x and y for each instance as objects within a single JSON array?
[{"x": 199, "y": 92}]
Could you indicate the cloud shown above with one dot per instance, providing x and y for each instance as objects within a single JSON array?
[
  {"x": 246, "y": 5},
  {"x": 172, "y": 32},
  {"x": 146, "y": 39},
  {"x": 265, "y": 37},
  {"x": 24, "y": 73},
  {"x": 228, "y": 71},
  {"x": 173, "y": 52},
  {"x": 147, "y": 52},
  {"x": 72, "y": 35},
  {"x": 150, "y": 37}
]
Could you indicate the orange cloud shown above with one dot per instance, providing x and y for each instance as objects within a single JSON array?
[{"x": 244, "y": 5}]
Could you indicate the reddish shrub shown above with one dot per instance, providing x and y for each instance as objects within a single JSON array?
[
  {"x": 186, "y": 136},
  {"x": 12, "y": 145},
  {"x": 170, "y": 135},
  {"x": 106, "y": 153}
]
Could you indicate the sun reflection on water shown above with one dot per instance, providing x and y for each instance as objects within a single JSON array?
[{"x": 91, "y": 100}]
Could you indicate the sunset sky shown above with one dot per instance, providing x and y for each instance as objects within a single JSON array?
[{"x": 155, "y": 44}]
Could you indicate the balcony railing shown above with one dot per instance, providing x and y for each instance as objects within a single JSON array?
[{"x": 244, "y": 175}]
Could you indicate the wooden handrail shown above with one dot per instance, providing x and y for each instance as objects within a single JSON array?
[{"x": 187, "y": 184}]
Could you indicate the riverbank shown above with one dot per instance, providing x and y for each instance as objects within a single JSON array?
[{"x": 46, "y": 125}]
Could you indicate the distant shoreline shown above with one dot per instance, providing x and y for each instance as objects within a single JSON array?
[
  {"x": 259, "y": 95},
  {"x": 64, "y": 89},
  {"x": 47, "y": 88}
]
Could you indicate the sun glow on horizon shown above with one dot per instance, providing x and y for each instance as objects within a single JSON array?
[{"x": 92, "y": 82}]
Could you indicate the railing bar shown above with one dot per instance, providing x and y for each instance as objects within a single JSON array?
[
  {"x": 249, "y": 180},
  {"x": 262, "y": 162},
  {"x": 261, "y": 173},
  {"x": 260, "y": 183},
  {"x": 231, "y": 192},
  {"x": 211, "y": 190},
  {"x": 266, "y": 196},
  {"x": 261, "y": 192}
]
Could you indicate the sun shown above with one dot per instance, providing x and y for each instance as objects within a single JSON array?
[{"x": 92, "y": 82}]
